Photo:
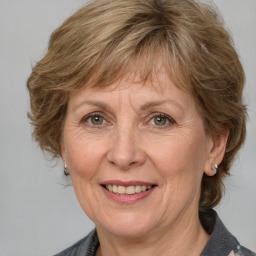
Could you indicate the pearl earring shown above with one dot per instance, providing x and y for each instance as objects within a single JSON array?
[
  {"x": 66, "y": 170},
  {"x": 215, "y": 168}
]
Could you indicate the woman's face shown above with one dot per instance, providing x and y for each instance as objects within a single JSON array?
[{"x": 127, "y": 138}]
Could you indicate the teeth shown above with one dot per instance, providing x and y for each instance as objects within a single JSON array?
[
  {"x": 121, "y": 190},
  {"x": 110, "y": 188},
  {"x": 143, "y": 188},
  {"x": 130, "y": 190},
  {"x": 114, "y": 188},
  {"x": 138, "y": 189}
]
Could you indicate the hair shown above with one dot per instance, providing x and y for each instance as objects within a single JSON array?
[{"x": 100, "y": 43}]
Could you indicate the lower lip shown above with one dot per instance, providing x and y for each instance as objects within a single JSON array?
[{"x": 127, "y": 199}]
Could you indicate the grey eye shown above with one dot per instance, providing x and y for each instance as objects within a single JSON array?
[
  {"x": 96, "y": 120},
  {"x": 160, "y": 120}
]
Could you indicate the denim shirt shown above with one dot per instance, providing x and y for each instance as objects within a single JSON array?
[{"x": 221, "y": 242}]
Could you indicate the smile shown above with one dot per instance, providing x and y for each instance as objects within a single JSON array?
[{"x": 128, "y": 190}]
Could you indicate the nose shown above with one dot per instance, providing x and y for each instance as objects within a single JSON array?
[{"x": 125, "y": 151}]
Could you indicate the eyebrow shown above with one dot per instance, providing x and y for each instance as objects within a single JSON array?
[
  {"x": 162, "y": 102},
  {"x": 101, "y": 105},
  {"x": 144, "y": 107}
]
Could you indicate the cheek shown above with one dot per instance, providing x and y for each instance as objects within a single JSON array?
[
  {"x": 84, "y": 158},
  {"x": 84, "y": 155},
  {"x": 180, "y": 157},
  {"x": 180, "y": 163}
]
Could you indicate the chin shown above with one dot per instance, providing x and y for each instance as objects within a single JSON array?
[{"x": 128, "y": 225}]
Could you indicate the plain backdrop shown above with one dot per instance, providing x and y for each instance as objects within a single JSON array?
[{"x": 38, "y": 215}]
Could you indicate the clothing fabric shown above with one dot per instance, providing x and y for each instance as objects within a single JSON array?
[{"x": 221, "y": 243}]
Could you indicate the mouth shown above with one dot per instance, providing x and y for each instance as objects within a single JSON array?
[{"x": 127, "y": 190}]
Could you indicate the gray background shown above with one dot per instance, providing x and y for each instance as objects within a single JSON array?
[{"x": 38, "y": 215}]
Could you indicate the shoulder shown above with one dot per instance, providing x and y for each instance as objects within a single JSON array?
[
  {"x": 86, "y": 246},
  {"x": 221, "y": 242}
]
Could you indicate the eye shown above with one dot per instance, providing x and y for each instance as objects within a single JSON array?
[
  {"x": 161, "y": 120},
  {"x": 94, "y": 120}
]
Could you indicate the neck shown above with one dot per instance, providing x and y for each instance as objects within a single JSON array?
[{"x": 186, "y": 236}]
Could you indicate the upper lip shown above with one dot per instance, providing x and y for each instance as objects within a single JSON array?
[{"x": 127, "y": 183}]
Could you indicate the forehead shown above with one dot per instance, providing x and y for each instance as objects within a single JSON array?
[{"x": 131, "y": 88}]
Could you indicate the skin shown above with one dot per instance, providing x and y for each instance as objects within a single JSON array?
[{"x": 127, "y": 143}]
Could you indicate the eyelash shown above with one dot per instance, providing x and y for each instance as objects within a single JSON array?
[
  {"x": 91, "y": 115},
  {"x": 169, "y": 120}
]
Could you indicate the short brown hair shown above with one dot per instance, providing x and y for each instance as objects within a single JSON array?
[{"x": 106, "y": 37}]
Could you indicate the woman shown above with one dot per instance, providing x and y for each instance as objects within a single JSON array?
[{"x": 142, "y": 100}]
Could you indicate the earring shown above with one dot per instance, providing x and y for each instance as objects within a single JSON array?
[
  {"x": 66, "y": 170},
  {"x": 215, "y": 168}
]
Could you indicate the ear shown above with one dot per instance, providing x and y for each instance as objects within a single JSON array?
[
  {"x": 62, "y": 153},
  {"x": 63, "y": 157},
  {"x": 216, "y": 152}
]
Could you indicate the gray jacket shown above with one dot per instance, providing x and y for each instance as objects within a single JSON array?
[{"x": 221, "y": 242}]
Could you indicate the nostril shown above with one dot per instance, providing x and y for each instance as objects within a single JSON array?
[{"x": 125, "y": 157}]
